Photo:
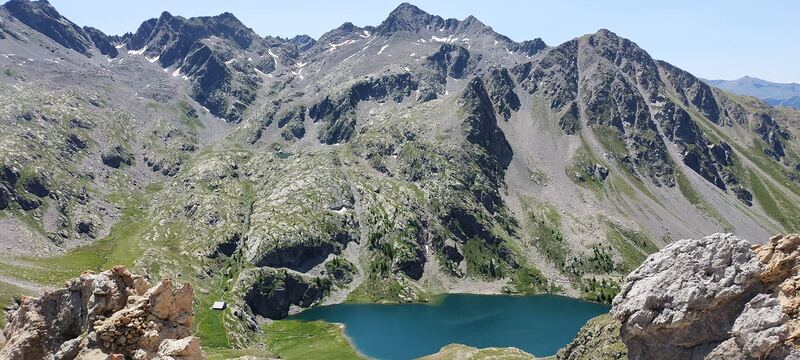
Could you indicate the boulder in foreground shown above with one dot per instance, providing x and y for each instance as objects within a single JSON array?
[
  {"x": 715, "y": 298},
  {"x": 113, "y": 314}
]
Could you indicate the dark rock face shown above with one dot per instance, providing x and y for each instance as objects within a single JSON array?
[
  {"x": 75, "y": 143},
  {"x": 5, "y": 197},
  {"x": 337, "y": 111},
  {"x": 692, "y": 91},
  {"x": 171, "y": 38},
  {"x": 8, "y": 179},
  {"x": 530, "y": 47},
  {"x": 298, "y": 256},
  {"x": 554, "y": 77},
  {"x": 27, "y": 202},
  {"x": 597, "y": 172},
  {"x": 212, "y": 80},
  {"x": 36, "y": 185},
  {"x": 9, "y": 175},
  {"x": 450, "y": 60},
  {"x": 451, "y": 252},
  {"x": 42, "y": 17},
  {"x": 303, "y": 42},
  {"x": 480, "y": 125},
  {"x": 292, "y": 120},
  {"x": 270, "y": 292},
  {"x": 116, "y": 157},
  {"x": 616, "y": 104},
  {"x": 769, "y": 131},
  {"x": 626, "y": 56},
  {"x": 102, "y": 42},
  {"x": 340, "y": 270},
  {"x": 723, "y": 153},
  {"x": 139, "y": 39},
  {"x": 569, "y": 121},
  {"x": 711, "y": 161},
  {"x": 228, "y": 247},
  {"x": 86, "y": 227},
  {"x": 412, "y": 264},
  {"x": 501, "y": 90},
  {"x": 677, "y": 124}
]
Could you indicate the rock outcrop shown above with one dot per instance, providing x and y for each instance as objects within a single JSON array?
[
  {"x": 713, "y": 298},
  {"x": 598, "y": 339},
  {"x": 99, "y": 316}
]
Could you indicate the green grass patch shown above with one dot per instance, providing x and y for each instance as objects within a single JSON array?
[
  {"x": 120, "y": 247},
  {"x": 482, "y": 259},
  {"x": 611, "y": 140},
  {"x": 300, "y": 340},
  {"x": 578, "y": 172},
  {"x": 530, "y": 281},
  {"x": 633, "y": 246},
  {"x": 225, "y": 354},
  {"x": 378, "y": 289},
  {"x": 776, "y": 207},
  {"x": 543, "y": 221},
  {"x": 602, "y": 291}
]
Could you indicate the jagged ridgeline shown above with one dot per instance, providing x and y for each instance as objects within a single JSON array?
[{"x": 384, "y": 163}]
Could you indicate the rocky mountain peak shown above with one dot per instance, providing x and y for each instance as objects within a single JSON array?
[
  {"x": 410, "y": 18},
  {"x": 303, "y": 42},
  {"x": 165, "y": 16}
]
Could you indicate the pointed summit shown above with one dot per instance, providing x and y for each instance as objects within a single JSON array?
[{"x": 407, "y": 17}]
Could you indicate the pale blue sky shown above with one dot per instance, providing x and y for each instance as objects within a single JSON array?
[{"x": 711, "y": 38}]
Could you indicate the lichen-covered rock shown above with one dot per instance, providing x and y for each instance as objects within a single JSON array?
[
  {"x": 713, "y": 298},
  {"x": 114, "y": 312}
]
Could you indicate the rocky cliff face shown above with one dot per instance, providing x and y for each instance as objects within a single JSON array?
[
  {"x": 716, "y": 298},
  {"x": 113, "y": 313}
]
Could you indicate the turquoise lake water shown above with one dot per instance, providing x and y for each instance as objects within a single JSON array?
[{"x": 539, "y": 325}]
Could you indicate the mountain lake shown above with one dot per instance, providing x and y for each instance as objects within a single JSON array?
[{"x": 539, "y": 325}]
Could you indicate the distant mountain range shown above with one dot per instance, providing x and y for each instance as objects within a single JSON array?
[{"x": 775, "y": 94}]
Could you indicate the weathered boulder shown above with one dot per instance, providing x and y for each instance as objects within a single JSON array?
[
  {"x": 114, "y": 313},
  {"x": 713, "y": 298}
]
